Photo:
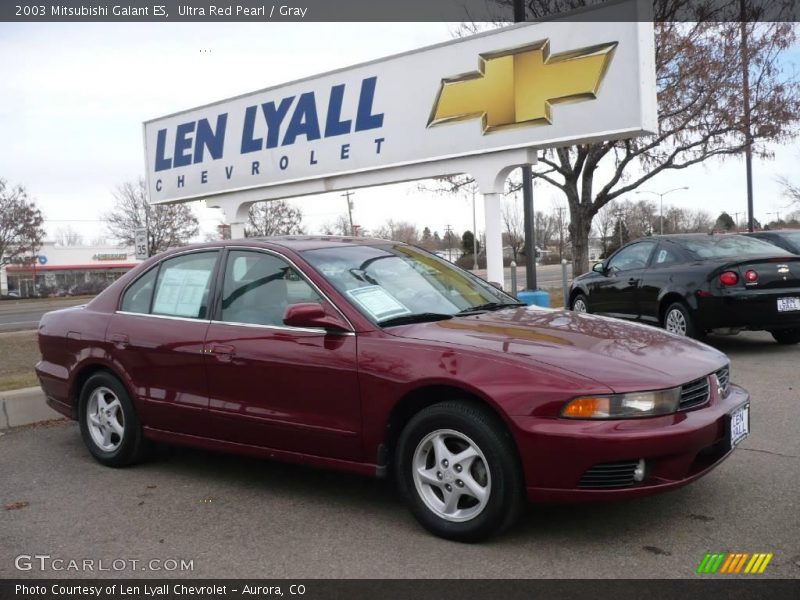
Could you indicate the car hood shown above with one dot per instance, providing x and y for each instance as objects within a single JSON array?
[{"x": 620, "y": 355}]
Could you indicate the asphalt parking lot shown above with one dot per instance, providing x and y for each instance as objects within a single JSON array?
[{"x": 238, "y": 517}]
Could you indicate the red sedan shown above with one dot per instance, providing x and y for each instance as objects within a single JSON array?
[{"x": 376, "y": 357}]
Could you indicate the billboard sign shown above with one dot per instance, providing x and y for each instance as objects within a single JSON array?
[{"x": 529, "y": 85}]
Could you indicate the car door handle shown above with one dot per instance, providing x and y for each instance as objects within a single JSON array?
[
  {"x": 120, "y": 340},
  {"x": 223, "y": 352}
]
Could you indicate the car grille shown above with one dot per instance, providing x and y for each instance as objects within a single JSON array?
[
  {"x": 694, "y": 394},
  {"x": 724, "y": 378},
  {"x": 609, "y": 475}
]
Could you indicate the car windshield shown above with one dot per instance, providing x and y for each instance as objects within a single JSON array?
[
  {"x": 730, "y": 246},
  {"x": 392, "y": 284}
]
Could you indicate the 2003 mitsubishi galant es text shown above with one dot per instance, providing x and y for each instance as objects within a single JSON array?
[{"x": 375, "y": 357}]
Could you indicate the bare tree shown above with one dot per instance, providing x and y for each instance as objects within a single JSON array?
[
  {"x": 398, "y": 231},
  {"x": 21, "y": 231},
  {"x": 791, "y": 191},
  {"x": 169, "y": 225},
  {"x": 513, "y": 223},
  {"x": 275, "y": 217},
  {"x": 67, "y": 236},
  {"x": 604, "y": 225},
  {"x": 340, "y": 226}
]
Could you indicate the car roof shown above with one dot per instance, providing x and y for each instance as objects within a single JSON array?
[
  {"x": 778, "y": 231},
  {"x": 298, "y": 243}
]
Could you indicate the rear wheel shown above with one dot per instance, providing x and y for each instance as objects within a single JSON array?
[
  {"x": 108, "y": 422},
  {"x": 786, "y": 336},
  {"x": 580, "y": 303},
  {"x": 677, "y": 320},
  {"x": 457, "y": 468}
]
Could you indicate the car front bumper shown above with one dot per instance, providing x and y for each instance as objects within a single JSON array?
[{"x": 677, "y": 449}]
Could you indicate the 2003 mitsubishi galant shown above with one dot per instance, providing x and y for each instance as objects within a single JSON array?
[{"x": 374, "y": 357}]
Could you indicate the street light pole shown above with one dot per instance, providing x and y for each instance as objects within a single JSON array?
[
  {"x": 661, "y": 204},
  {"x": 527, "y": 195},
  {"x": 474, "y": 233}
]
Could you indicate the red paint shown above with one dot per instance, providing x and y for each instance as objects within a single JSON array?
[{"x": 328, "y": 399}]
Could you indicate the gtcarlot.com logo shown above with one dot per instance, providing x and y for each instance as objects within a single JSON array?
[
  {"x": 46, "y": 562},
  {"x": 731, "y": 563}
]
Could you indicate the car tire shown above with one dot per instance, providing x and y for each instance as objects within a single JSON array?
[
  {"x": 578, "y": 301},
  {"x": 786, "y": 336},
  {"x": 678, "y": 320},
  {"x": 109, "y": 425},
  {"x": 467, "y": 499}
]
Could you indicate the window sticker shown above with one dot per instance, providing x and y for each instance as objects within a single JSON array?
[
  {"x": 180, "y": 292},
  {"x": 378, "y": 302},
  {"x": 662, "y": 256}
]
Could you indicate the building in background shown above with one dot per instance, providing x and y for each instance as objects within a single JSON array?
[{"x": 67, "y": 270}]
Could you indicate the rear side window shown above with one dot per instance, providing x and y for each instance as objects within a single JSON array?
[
  {"x": 665, "y": 256},
  {"x": 137, "y": 297},
  {"x": 184, "y": 284}
]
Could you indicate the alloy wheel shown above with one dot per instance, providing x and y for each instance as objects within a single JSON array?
[
  {"x": 451, "y": 475},
  {"x": 675, "y": 322},
  {"x": 105, "y": 419}
]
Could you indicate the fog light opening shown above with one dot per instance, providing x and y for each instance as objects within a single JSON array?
[{"x": 639, "y": 471}]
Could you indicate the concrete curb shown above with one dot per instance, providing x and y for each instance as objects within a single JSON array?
[{"x": 23, "y": 407}]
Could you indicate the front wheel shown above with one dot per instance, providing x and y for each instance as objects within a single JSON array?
[
  {"x": 786, "y": 336},
  {"x": 108, "y": 422},
  {"x": 457, "y": 468},
  {"x": 580, "y": 303}
]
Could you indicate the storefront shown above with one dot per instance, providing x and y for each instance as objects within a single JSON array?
[{"x": 66, "y": 271}]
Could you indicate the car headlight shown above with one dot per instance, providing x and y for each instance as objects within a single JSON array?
[{"x": 623, "y": 406}]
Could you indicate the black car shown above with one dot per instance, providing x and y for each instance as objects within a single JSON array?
[
  {"x": 788, "y": 239},
  {"x": 695, "y": 283}
]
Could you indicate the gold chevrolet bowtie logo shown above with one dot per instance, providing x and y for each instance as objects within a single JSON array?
[{"x": 518, "y": 86}]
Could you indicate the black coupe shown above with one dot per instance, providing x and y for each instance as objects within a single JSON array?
[{"x": 695, "y": 283}]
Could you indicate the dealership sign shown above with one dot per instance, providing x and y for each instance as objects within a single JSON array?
[{"x": 531, "y": 85}]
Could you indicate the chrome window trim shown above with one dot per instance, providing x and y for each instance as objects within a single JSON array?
[
  {"x": 170, "y": 317},
  {"x": 299, "y": 272},
  {"x": 319, "y": 330}
]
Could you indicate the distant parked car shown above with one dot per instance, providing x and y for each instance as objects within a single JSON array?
[
  {"x": 377, "y": 357},
  {"x": 788, "y": 239},
  {"x": 693, "y": 284}
]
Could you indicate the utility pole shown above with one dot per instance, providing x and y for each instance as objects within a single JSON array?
[
  {"x": 448, "y": 234},
  {"x": 347, "y": 195},
  {"x": 748, "y": 138},
  {"x": 527, "y": 195},
  {"x": 777, "y": 216}
]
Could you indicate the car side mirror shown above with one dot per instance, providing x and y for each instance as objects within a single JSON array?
[
  {"x": 496, "y": 284},
  {"x": 599, "y": 268},
  {"x": 313, "y": 315}
]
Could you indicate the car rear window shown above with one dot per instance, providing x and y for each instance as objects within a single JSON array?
[{"x": 729, "y": 246}]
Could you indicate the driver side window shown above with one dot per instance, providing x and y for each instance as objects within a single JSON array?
[
  {"x": 259, "y": 287},
  {"x": 632, "y": 257}
]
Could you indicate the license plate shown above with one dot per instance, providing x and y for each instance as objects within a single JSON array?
[
  {"x": 740, "y": 424},
  {"x": 788, "y": 304}
]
